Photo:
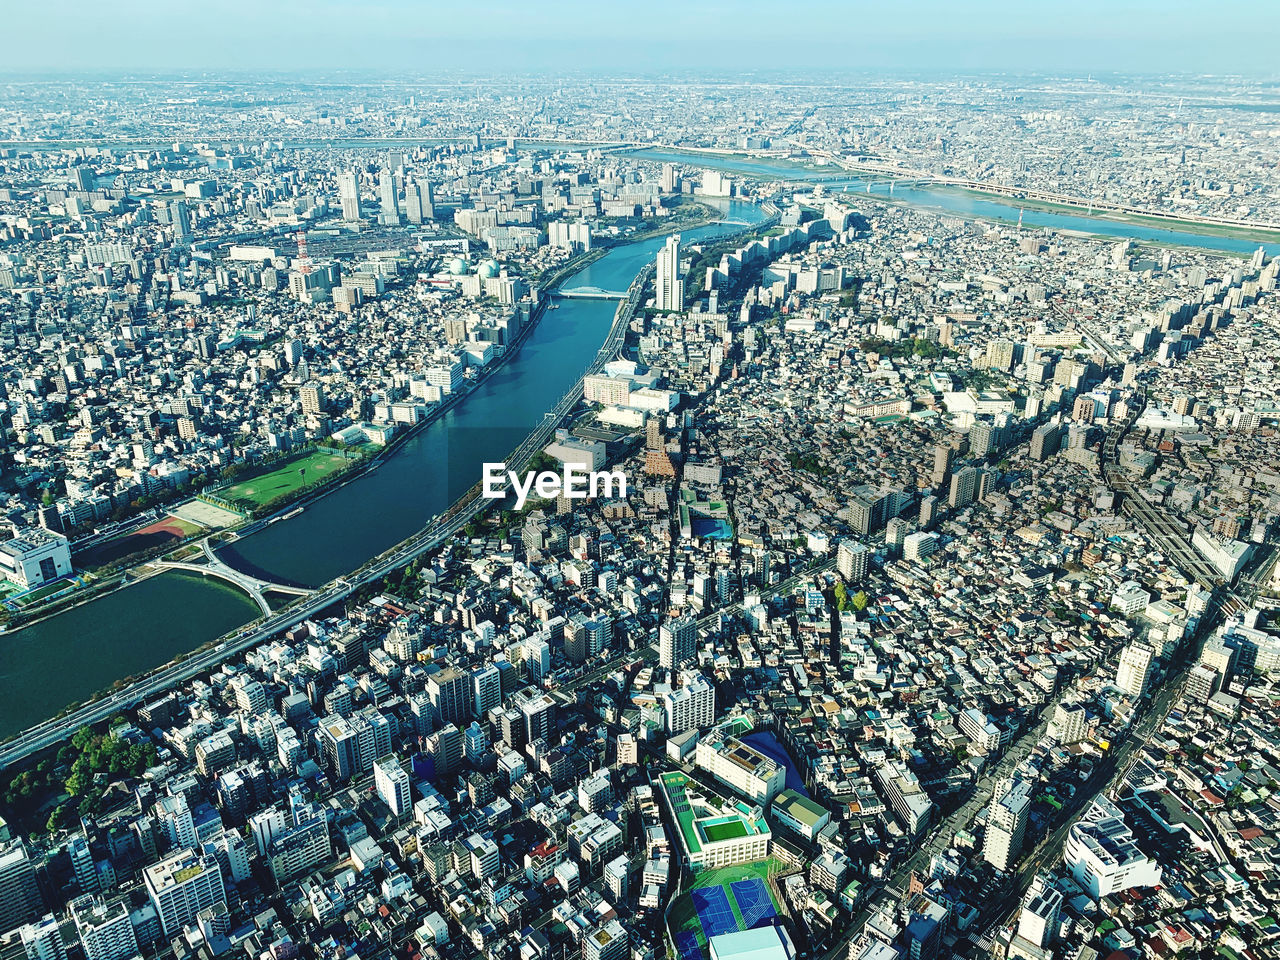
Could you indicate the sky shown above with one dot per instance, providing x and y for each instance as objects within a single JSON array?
[{"x": 567, "y": 37}]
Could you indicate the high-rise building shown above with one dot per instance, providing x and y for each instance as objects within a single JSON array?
[
  {"x": 668, "y": 282},
  {"x": 1006, "y": 823},
  {"x": 967, "y": 485},
  {"x": 174, "y": 816},
  {"x": 928, "y": 511},
  {"x": 677, "y": 640},
  {"x": 42, "y": 940},
  {"x": 450, "y": 693},
  {"x": 1069, "y": 723},
  {"x": 942, "y": 455},
  {"x": 539, "y": 712},
  {"x": 1046, "y": 440},
  {"x": 341, "y": 747},
  {"x": 1135, "y": 669},
  {"x": 851, "y": 560},
  {"x": 181, "y": 886},
  {"x": 82, "y": 864},
  {"x": 389, "y": 210},
  {"x": 392, "y": 784},
  {"x": 1041, "y": 908},
  {"x": 105, "y": 930},
  {"x": 412, "y": 201},
  {"x": 486, "y": 686},
  {"x": 349, "y": 195},
  {"x": 19, "y": 895},
  {"x": 691, "y": 705}
]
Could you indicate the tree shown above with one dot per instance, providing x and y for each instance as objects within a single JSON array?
[
  {"x": 860, "y": 601},
  {"x": 842, "y": 597}
]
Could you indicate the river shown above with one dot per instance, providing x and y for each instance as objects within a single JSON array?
[
  {"x": 146, "y": 625},
  {"x": 967, "y": 204}
]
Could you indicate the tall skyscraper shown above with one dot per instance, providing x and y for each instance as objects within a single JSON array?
[
  {"x": 19, "y": 895},
  {"x": 942, "y": 455},
  {"x": 486, "y": 684},
  {"x": 412, "y": 202},
  {"x": 389, "y": 210},
  {"x": 676, "y": 641},
  {"x": 450, "y": 695},
  {"x": 669, "y": 283},
  {"x": 1135, "y": 669},
  {"x": 349, "y": 195},
  {"x": 690, "y": 705},
  {"x": 967, "y": 485}
]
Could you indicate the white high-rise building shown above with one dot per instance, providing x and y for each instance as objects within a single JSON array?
[
  {"x": 1038, "y": 921},
  {"x": 1135, "y": 669},
  {"x": 183, "y": 885},
  {"x": 1006, "y": 823},
  {"x": 105, "y": 930},
  {"x": 349, "y": 195},
  {"x": 42, "y": 940},
  {"x": 692, "y": 705},
  {"x": 392, "y": 784},
  {"x": 851, "y": 560},
  {"x": 389, "y": 210},
  {"x": 175, "y": 820},
  {"x": 669, "y": 283},
  {"x": 486, "y": 689},
  {"x": 676, "y": 642}
]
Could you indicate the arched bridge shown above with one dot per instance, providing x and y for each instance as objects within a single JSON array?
[
  {"x": 255, "y": 587},
  {"x": 590, "y": 293}
]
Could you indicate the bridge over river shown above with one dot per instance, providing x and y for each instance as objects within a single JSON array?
[{"x": 212, "y": 566}]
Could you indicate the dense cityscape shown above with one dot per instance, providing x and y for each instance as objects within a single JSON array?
[{"x": 918, "y": 598}]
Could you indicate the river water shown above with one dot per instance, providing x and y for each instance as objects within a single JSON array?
[
  {"x": 966, "y": 204},
  {"x": 63, "y": 659}
]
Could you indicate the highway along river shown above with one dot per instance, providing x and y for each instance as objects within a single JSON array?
[{"x": 64, "y": 659}]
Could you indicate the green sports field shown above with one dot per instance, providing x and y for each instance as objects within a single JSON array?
[
  {"x": 725, "y": 830},
  {"x": 296, "y": 475}
]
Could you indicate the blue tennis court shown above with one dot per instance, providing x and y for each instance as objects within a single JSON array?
[
  {"x": 687, "y": 945},
  {"x": 754, "y": 902},
  {"x": 714, "y": 912}
]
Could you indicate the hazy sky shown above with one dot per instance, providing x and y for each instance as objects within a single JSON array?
[{"x": 572, "y": 36}]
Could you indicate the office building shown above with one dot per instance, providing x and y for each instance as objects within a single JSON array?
[
  {"x": 34, "y": 557},
  {"x": 388, "y": 210},
  {"x": 486, "y": 687},
  {"x": 19, "y": 896},
  {"x": 349, "y": 195},
  {"x": 42, "y": 939},
  {"x": 449, "y": 691},
  {"x": 908, "y": 800}
]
